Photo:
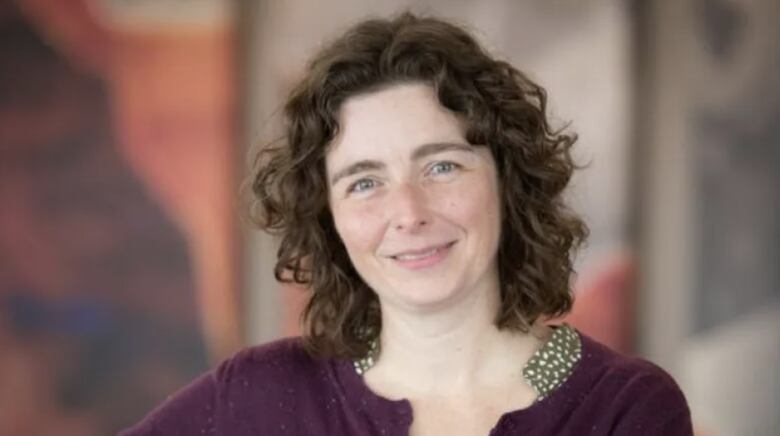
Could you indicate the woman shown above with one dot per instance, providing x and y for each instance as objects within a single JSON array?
[{"x": 417, "y": 195}]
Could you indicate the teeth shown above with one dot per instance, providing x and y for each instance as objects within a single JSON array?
[{"x": 417, "y": 255}]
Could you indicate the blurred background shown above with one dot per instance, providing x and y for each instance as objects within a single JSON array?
[{"x": 125, "y": 268}]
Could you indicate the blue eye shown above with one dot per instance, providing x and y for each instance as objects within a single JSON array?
[
  {"x": 361, "y": 185},
  {"x": 443, "y": 168}
]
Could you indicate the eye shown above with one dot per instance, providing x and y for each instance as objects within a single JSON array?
[
  {"x": 361, "y": 185},
  {"x": 444, "y": 167}
]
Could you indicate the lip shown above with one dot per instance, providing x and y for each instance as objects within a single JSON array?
[{"x": 418, "y": 259}]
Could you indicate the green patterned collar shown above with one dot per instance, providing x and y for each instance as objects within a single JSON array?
[
  {"x": 547, "y": 368},
  {"x": 552, "y": 364}
]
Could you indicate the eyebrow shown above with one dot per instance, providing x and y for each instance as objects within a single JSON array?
[
  {"x": 418, "y": 153},
  {"x": 439, "y": 147},
  {"x": 357, "y": 167}
]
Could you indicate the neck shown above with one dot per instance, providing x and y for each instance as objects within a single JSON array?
[{"x": 450, "y": 349}]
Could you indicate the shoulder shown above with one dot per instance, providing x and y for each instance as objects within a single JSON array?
[
  {"x": 276, "y": 374},
  {"x": 634, "y": 392},
  {"x": 611, "y": 370},
  {"x": 283, "y": 357},
  {"x": 240, "y": 390}
]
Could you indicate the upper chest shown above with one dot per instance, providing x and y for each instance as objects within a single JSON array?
[{"x": 472, "y": 414}]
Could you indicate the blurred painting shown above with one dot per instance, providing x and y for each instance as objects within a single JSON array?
[{"x": 117, "y": 224}]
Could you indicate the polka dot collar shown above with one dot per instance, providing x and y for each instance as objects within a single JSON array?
[
  {"x": 552, "y": 364},
  {"x": 547, "y": 368}
]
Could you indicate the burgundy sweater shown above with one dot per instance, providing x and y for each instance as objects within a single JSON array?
[{"x": 278, "y": 389}]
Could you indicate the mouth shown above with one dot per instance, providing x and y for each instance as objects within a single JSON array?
[{"x": 415, "y": 259}]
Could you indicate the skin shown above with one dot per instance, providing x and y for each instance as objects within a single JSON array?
[{"x": 418, "y": 210}]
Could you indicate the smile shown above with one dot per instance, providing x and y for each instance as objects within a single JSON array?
[{"x": 416, "y": 259}]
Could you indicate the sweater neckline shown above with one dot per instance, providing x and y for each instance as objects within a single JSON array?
[{"x": 399, "y": 412}]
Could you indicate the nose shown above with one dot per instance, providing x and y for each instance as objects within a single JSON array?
[{"x": 409, "y": 209}]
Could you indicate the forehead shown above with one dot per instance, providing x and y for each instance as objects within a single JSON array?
[{"x": 394, "y": 119}]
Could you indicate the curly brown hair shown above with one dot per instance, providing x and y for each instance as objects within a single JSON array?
[{"x": 502, "y": 108}]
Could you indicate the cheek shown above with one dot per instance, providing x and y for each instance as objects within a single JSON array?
[
  {"x": 473, "y": 205},
  {"x": 359, "y": 227}
]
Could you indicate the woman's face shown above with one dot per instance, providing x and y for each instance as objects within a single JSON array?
[{"x": 416, "y": 206}]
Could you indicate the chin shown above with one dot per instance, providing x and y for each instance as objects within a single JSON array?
[{"x": 421, "y": 296}]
